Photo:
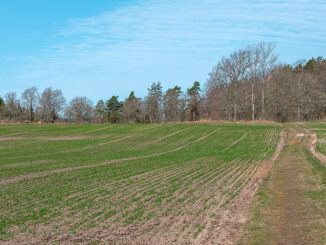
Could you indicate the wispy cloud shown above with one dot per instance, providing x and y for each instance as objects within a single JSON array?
[{"x": 172, "y": 41}]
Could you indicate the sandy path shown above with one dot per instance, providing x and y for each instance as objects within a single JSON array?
[{"x": 36, "y": 175}]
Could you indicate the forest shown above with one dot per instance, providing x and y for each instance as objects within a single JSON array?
[{"x": 250, "y": 84}]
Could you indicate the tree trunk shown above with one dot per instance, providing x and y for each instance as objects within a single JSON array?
[
  {"x": 31, "y": 113},
  {"x": 234, "y": 112},
  {"x": 263, "y": 102},
  {"x": 252, "y": 103}
]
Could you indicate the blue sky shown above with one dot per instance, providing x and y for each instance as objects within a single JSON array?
[{"x": 110, "y": 47}]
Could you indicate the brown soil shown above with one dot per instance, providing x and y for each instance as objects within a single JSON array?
[
  {"x": 75, "y": 137},
  {"x": 10, "y": 138}
]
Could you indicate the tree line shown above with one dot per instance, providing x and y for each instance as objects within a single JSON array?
[
  {"x": 249, "y": 84},
  {"x": 51, "y": 106}
]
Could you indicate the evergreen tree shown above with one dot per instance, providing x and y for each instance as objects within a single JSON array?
[
  {"x": 194, "y": 98},
  {"x": 114, "y": 109}
]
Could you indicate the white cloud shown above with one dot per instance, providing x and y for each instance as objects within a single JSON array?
[{"x": 172, "y": 41}]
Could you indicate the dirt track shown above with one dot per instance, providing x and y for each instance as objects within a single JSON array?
[
  {"x": 312, "y": 148},
  {"x": 286, "y": 215}
]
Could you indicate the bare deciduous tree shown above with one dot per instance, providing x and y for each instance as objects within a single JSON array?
[
  {"x": 266, "y": 62},
  {"x": 30, "y": 98},
  {"x": 233, "y": 83},
  {"x": 51, "y": 104},
  {"x": 229, "y": 76},
  {"x": 13, "y": 107},
  {"x": 79, "y": 110}
]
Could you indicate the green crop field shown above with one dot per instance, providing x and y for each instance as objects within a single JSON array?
[{"x": 124, "y": 183}]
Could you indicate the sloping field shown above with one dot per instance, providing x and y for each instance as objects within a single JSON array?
[{"x": 129, "y": 184}]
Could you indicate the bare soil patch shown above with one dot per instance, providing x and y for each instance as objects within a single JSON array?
[
  {"x": 10, "y": 138},
  {"x": 72, "y": 137}
]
